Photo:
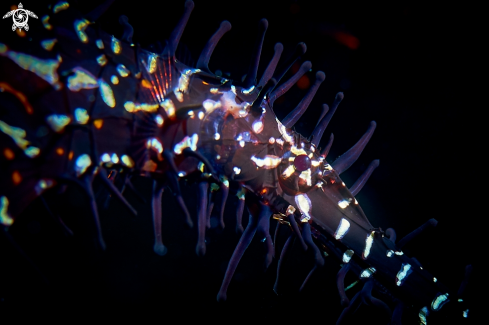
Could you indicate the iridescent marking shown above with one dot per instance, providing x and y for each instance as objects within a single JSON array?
[
  {"x": 152, "y": 62},
  {"x": 390, "y": 253},
  {"x": 242, "y": 143},
  {"x": 183, "y": 83},
  {"x": 126, "y": 160},
  {"x": 435, "y": 279},
  {"x": 248, "y": 91},
  {"x": 82, "y": 163},
  {"x": 43, "y": 185},
  {"x": 344, "y": 203},
  {"x": 297, "y": 151},
  {"x": 210, "y": 105},
  {"x": 191, "y": 114},
  {"x": 399, "y": 253},
  {"x": 268, "y": 162},
  {"x": 102, "y": 60},
  {"x": 5, "y": 219},
  {"x": 200, "y": 115},
  {"x": 328, "y": 167},
  {"x": 214, "y": 90},
  {"x": 237, "y": 170},
  {"x": 159, "y": 120},
  {"x": 342, "y": 229},
  {"x": 114, "y": 158},
  {"x": 32, "y": 152},
  {"x": 367, "y": 273},
  {"x": 217, "y": 136},
  {"x": 257, "y": 126},
  {"x": 283, "y": 131},
  {"x": 368, "y": 245},
  {"x": 465, "y": 313},
  {"x": 150, "y": 108},
  {"x": 181, "y": 174},
  {"x": 439, "y": 301},
  {"x": 105, "y": 158},
  {"x": 288, "y": 171},
  {"x": 48, "y": 44},
  {"x": 315, "y": 163},
  {"x": 114, "y": 80},
  {"x": 155, "y": 144},
  {"x": 423, "y": 313},
  {"x": 201, "y": 166},
  {"x": 347, "y": 256},
  {"x": 58, "y": 122},
  {"x": 80, "y": 26},
  {"x": 115, "y": 45},
  {"x": 290, "y": 210},
  {"x": 169, "y": 107},
  {"x": 45, "y": 69},
  {"x": 81, "y": 79},
  {"x": 304, "y": 204},
  {"x": 224, "y": 180},
  {"x": 241, "y": 194},
  {"x": 187, "y": 142},
  {"x": 107, "y": 93},
  {"x": 403, "y": 274},
  {"x": 45, "y": 22},
  {"x": 122, "y": 70},
  {"x": 100, "y": 44},
  {"x": 62, "y": 5},
  {"x": 306, "y": 175}
]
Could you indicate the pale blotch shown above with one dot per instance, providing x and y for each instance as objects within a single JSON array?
[
  {"x": 271, "y": 140},
  {"x": 187, "y": 142},
  {"x": 114, "y": 158},
  {"x": 100, "y": 44},
  {"x": 152, "y": 63},
  {"x": 159, "y": 120},
  {"x": 368, "y": 245},
  {"x": 288, "y": 171},
  {"x": 102, "y": 60},
  {"x": 191, "y": 114},
  {"x": 127, "y": 161},
  {"x": 237, "y": 170},
  {"x": 304, "y": 204},
  {"x": 183, "y": 83},
  {"x": 81, "y": 79},
  {"x": 150, "y": 108},
  {"x": 155, "y": 144},
  {"x": 105, "y": 158},
  {"x": 5, "y": 219},
  {"x": 82, "y": 163},
  {"x": 169, "y": 107},
  {"x": 115, "y": 45},
  {"x": 347, "y": 256},
  {"x": 81, "y": 116},
  {"x": 43, "y": 185},
  {"x": 45, "y": 22},
  {"x": 423, "y": 313},
  {"x": 201, "y": 115},
  {"x": 80, "y": 26},
  {"x": 344, "y": 203},
  {"x": 58, "y": 122},
  {"x": 367, "y": 273},
  {"x": 217, "y": 136},
  {"x": 45, "y": 69},
  {"x": 439, "y": 301},
  {"x": 122, "y": 70},
  {"x": 342, "y": 229},
  {"x": 268, "y": 162},
  {"x": 257, "y": 126},
  {"x": 48, "y": 44},
  {"x": 403, "y": 274},
  {"x": 107, "y": 93},
  {"x": 62, "y": 5},
  {"x": 114, "y": 80},
  {"x": 306, "y": 175}
]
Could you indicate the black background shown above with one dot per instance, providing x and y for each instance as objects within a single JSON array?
[{"x": 415, "y": 73}]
